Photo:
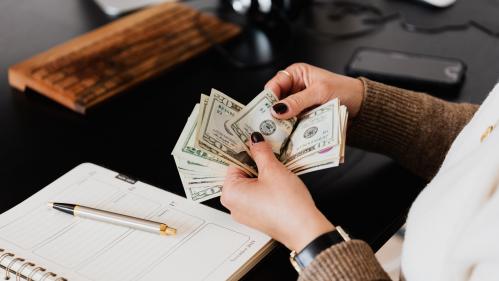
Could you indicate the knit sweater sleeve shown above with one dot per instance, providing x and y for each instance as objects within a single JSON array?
[
  {"x": 415, "y": 129},
  {"x": 348, "y": 261}
]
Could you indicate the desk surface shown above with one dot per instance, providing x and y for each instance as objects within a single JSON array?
[{"x": 40, "y": 140}]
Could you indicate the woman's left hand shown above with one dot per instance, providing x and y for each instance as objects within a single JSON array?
[{"x": 276, "y": 203}]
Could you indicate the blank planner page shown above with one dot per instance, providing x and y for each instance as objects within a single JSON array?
[{"x": 208, "y": 245}]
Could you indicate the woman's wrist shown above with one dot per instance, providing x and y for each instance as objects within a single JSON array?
[
  {"x": 352, "y": 95},
  {"x": 349, "y": 90},
  {"x": 310, "y": 229}
]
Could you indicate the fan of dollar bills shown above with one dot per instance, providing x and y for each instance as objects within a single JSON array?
[{"x": 217, "y": 135}]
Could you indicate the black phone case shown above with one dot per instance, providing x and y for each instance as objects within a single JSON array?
[{"x": 434, "y": 86}]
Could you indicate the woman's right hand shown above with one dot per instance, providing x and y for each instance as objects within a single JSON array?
[{"x": 308, "y": 86}]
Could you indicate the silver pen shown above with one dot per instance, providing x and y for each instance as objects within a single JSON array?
[{"x": 114, "y": 218}]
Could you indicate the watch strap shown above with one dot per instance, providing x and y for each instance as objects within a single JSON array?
[{"x": 319, "y": 244}]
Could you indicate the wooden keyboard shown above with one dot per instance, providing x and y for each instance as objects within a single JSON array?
[{"x": 91, "y": 68}]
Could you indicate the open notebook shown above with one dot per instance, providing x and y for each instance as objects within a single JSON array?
[{"x": 209, "y": 245}]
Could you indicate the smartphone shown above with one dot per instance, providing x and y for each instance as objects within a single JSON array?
[{"x": 431, "y": 74}]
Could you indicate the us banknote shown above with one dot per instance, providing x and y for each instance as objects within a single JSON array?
[
  {"x": 217, "y": 134},
  {"x": 257, "y": 117}
]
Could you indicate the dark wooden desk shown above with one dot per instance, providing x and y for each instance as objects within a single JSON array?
[{"x": 40, "y": 140}]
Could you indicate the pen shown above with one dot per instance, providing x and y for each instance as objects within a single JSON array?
[{"x": 114, "y": 218}]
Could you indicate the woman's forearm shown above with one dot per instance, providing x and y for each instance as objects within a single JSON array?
[{"x": 413, "y": 128}]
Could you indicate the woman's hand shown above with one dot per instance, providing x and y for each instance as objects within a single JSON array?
[
  {"x": 276, "y": 203},
  {"x": 307, "y": 86}
]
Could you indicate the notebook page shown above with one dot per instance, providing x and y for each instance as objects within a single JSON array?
[{"x": 209, "y": 245}]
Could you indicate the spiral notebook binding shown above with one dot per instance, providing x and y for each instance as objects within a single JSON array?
[{"x": 9, "y": 271}]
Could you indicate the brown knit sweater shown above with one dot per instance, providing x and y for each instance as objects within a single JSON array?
[{"x": 413, "y": 128}]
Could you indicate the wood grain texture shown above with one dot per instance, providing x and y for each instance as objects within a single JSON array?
[{"x": 98, "y": 65}]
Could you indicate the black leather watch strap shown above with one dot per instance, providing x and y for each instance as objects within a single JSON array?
[{"x": 319, "y": 244}]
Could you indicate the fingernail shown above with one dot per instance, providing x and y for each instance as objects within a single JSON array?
[
  {"x": 280, "y": 108},
  {"x": 256, "y": 137}
]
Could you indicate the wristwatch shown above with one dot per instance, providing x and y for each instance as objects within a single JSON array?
[{"x": 306, "y": 256}]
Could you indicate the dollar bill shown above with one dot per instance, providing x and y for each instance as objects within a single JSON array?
[
  {"x": 215, "y": 132},
  {"x": 203, "y": 193},
  {"x": 316, "y": 130},
  {"x": 199, "y": 144},
  {"x": 317, "y": 167},
  {"x": 185, "y": 146},
  {"x": 197, "y": 166},
  {"x": 343, "y": 139},
  {"x": 199, "y": 192},
  {"x": 203, "y": 103},
  {"x": 330, "y": 156},
  {"x": 257, "y": 117},
  {"x": 217, "y": 135}
]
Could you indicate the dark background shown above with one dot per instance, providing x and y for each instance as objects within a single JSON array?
[{"x": 134, "y": 134}]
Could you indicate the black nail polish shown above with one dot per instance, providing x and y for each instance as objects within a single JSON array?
[
  {"x": 256, "y": 137},
  {"x": 280, "y": 108}
]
